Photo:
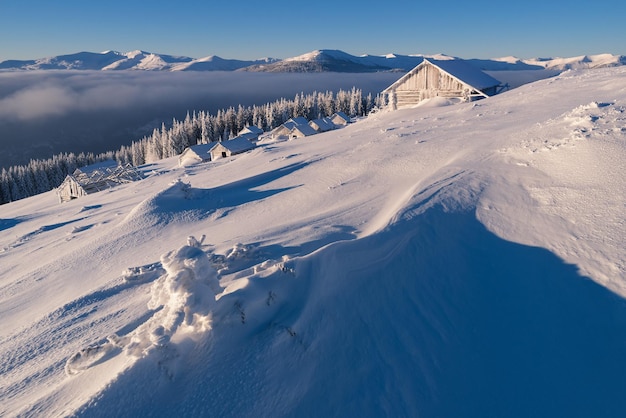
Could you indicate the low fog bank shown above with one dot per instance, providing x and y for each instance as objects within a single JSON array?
[{"x": 43, "y": 113}]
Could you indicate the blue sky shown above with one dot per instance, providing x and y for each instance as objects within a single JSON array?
[{"x": 251, "y": 29}]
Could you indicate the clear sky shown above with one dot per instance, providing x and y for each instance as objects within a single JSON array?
[{"x": 245, "y": 29}]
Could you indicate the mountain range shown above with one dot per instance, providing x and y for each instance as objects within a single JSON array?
[{"x": 324, "y": 60}]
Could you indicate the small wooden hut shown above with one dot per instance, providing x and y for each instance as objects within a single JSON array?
[
  {"x": 300, "y": 131},
  {"x": 322, "y": 124},
  {"x": 231, "y": 147},
  {"x": 195, "y": 154},
  {"x": 454, "y": 78},
  {"x": 283, "y": 131},
  {"x": 340, "y": 118}
]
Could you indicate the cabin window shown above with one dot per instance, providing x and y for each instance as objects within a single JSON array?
[{"x": 224, "y": 154}]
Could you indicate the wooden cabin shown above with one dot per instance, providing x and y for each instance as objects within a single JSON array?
[
  {"x": 195, "y": 154},
  {"x": 340, "y": 118},
  {"x": 283, "y": 131},
  {"x": 322, "y": 125},
  {"x": 454, "y": 78},
  {"x": 300, "y": 131},
  {"x": 231, "y": 147},
  {"x": 94, "y": 178}
]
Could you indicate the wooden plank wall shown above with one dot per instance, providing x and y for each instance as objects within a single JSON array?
[{"x": 428, "y": 82}]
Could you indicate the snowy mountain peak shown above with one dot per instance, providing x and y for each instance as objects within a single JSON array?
[
  {"x": 305, "y": 57},
  {"x": 508, "y": 59},
  {"x": 135, "y": 53}
]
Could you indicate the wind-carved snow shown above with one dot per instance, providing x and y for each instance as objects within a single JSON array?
[
  {"x": 594, "y": 120},
  {"x": 575, "y": 161},
  {"x": 182, "y": 300}
]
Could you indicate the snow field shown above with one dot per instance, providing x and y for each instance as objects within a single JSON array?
[{"x": 436, "y": 261}]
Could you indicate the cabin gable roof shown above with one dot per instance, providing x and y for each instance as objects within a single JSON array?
[
  {"x": 235, "y": 145},
  {"x": 252, "y": 129},
  {"x": 340, "y": 118},
  {"x": 322, "y": 124},
  {"x": 304, "y": 130},
  {"x": 466, "y": 73},
  {"x": 199, "y": 152},
  {"x": 458, "y": 69}
]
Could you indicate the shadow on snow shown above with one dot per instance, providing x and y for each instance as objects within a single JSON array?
[
  {"x": 435, "y": 316},
  {"x": 8, "y": 223},
  {"x": 181, "y": 201}
]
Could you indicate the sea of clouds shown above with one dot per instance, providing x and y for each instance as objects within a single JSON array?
[{"x": 47, "y": 112}]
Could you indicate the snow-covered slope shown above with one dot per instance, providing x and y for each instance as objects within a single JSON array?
[
  {"x": 583, "y": 61},
  {"x": 78, "y": 61},
  {"x": 560, "y": 64},
  {"x": 215, "y": 63},
  {"x": 438, "y": 261}
]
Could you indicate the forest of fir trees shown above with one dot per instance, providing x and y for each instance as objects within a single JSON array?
[{"x": 39, "y": 176}]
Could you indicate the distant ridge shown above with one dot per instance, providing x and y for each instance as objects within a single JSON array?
[
  {"x": 323, "y": 60},
  {"x": 134, "y": 60}
]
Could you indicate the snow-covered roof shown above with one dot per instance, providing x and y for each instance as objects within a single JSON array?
[
  {"x": 291, "y": 123},
  {"x": 466, "y": 72},
  {"x": 235, "y": 145},
  {"x": 340, "y": 115},
  {"x": 90, "y": 169},
  {"x": 249, "y": 135},
  {"x": 300, "y": 120},
  {"x": 201, "y": 149},
  {"x": 305, "y": 130},
  {"x": 323, "y": 124},
  {"x": 251, "y": 129},
  {"x": 457, "y": 68}
]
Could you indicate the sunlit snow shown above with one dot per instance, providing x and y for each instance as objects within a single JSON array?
[{"x": 458, "y": 260}]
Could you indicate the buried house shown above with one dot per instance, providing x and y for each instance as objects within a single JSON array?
[
  {"x": 94, "y": 178},
  {"x": 453, "y": 79}
]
